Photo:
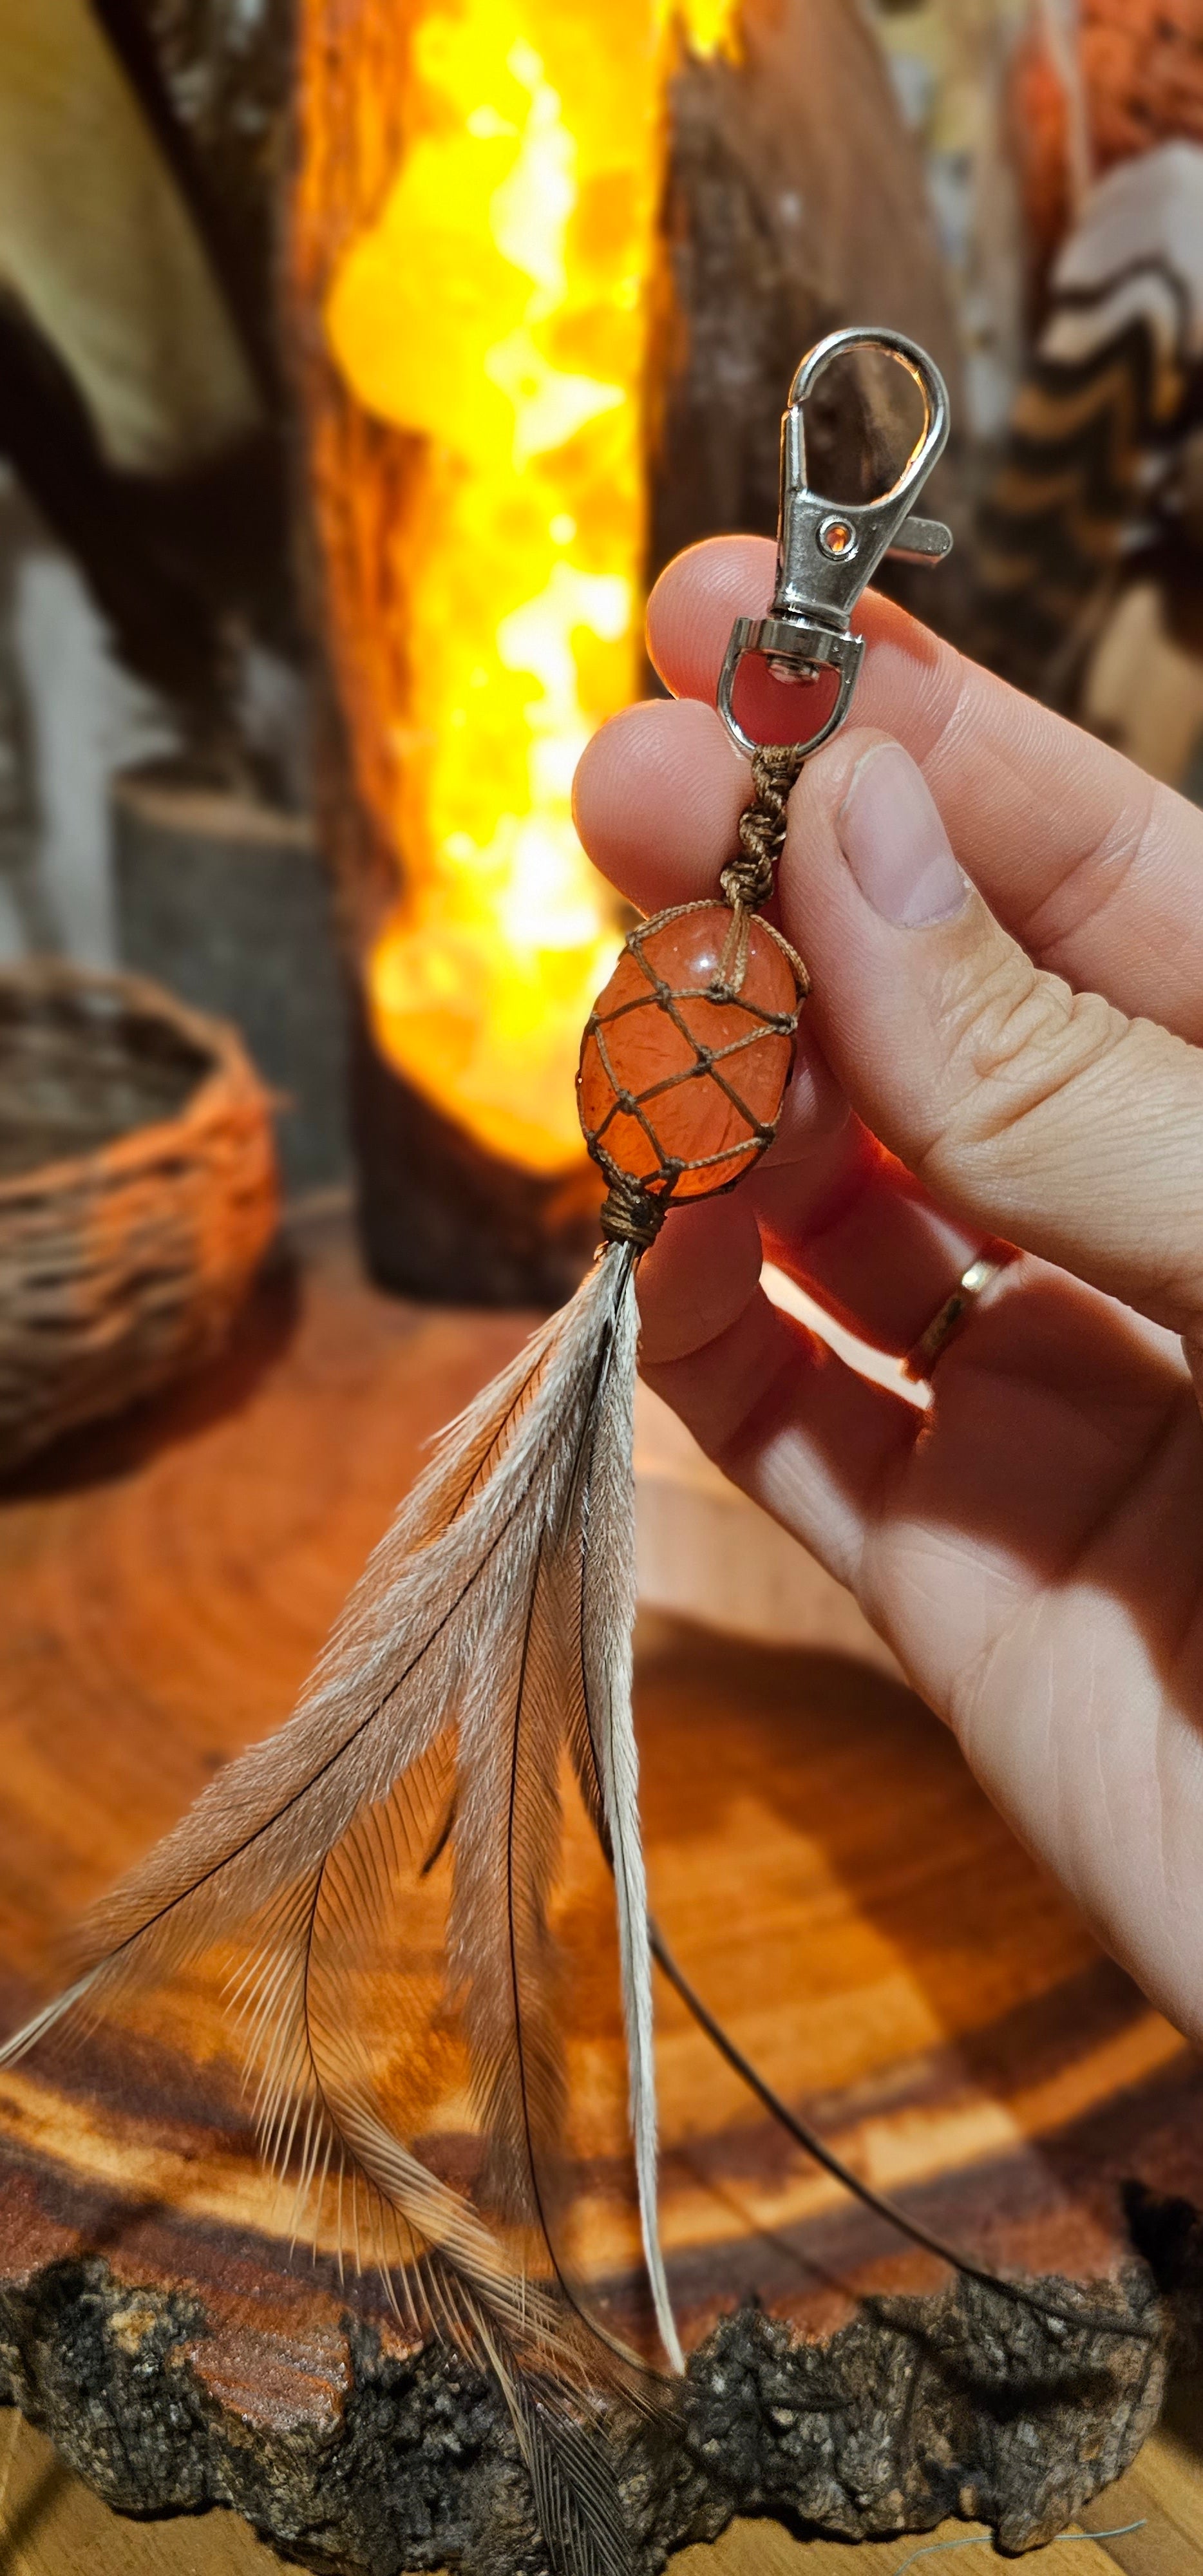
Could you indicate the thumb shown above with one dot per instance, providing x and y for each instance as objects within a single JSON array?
[{"x": 1028, "y": 1109}]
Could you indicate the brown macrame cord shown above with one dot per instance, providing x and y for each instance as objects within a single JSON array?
[
  {"x": 748, "y": 880},
  {"x": 634, "y": 1213}
]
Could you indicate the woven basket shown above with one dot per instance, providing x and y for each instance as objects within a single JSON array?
[{"x": 137, "y": 1194}]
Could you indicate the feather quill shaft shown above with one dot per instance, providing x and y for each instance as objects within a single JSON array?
[{"x": 606, "y": 1546}]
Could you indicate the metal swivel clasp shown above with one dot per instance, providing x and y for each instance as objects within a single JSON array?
[{"x": 827, "y": 552}]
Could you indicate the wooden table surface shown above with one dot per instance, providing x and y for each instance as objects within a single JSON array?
[{"x": 843, "y": 1894}]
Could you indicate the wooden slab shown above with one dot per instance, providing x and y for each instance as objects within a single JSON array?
[{"x": 840, "y": 1892}]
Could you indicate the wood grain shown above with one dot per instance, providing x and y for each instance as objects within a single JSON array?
[{"x": 836, "y": 1885}]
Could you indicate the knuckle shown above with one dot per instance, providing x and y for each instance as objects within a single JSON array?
[
  {"x": 1098, "y": 878},
  {"x": 1021, "y": 1042}
]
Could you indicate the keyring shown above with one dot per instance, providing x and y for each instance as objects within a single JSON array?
[{"x": 828, "y": 551}]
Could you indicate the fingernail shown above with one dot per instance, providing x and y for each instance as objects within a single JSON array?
[{"x": 895, "y": 843}]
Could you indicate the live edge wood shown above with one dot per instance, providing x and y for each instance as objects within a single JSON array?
[{"x": 834, "y": 1882}]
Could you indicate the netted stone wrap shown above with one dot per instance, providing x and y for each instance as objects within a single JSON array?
[{"x": 685, "y": 1060}]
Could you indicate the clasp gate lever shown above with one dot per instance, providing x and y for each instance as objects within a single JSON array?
[{"x": 828, "y": 552}]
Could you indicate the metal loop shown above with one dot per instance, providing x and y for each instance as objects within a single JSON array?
[{"x": 828, "y": 551}]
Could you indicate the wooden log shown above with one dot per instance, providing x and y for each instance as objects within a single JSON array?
[
  {"x": 795, "y": 204},
  {"x": 442, "y": 1217},
  {"x": 840, "y": 1891},
  {"x": 224, "y": 899}
]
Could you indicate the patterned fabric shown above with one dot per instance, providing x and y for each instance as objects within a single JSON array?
[
  {"x": 1139, "y": 72},
  {"x": 1093, "y": 476}
]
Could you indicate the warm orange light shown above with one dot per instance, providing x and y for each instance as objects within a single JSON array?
[{"x": 498, "y": 306}]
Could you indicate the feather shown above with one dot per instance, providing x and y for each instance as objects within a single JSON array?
[
  {"x": 386, "y": 1865},
  {"x": 576, "y": 2496},
  {"x": 605, "y": 1558},
  {"x": 429, "y": 1612}
]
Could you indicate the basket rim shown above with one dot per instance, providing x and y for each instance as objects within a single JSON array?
[{"x": 229, "y": 1080}]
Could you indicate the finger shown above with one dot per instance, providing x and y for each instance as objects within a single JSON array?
[
  {"x": 1062, "y": 1378},
  {"x": 1104, "y": 891},
  {"x": 1026, "y": 1109},
  {"x": 853, "y": 1227},
  {"x": 1000, "y": 1546},
  {"x": 809, "y": 1440},
  {"x": 695, "y": 603},
  {"x": 657, "y": 796},
  {"x": 836, "y": 1214},
  {"x": 842, "y": 1218}
]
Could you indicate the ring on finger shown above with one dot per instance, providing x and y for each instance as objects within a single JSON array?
[{"x": 950, "y": 1318}]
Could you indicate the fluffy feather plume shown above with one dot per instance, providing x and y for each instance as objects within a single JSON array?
[{"x": 387, "y": 1861}]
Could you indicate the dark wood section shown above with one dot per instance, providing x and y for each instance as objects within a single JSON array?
[
  {"x": 442, "y": 1217},
  {"x": 795, "y": 205}
]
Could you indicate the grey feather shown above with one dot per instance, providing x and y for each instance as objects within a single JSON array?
[{"x": 490, "y": 1628}]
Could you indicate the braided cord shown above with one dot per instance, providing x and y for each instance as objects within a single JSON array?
[{"x": 747, "y": 881}]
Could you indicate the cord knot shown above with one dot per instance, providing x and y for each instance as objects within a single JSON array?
[{"x": 630, "y": 1214}]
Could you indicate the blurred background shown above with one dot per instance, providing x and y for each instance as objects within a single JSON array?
[{"x": 360, "y": 363}]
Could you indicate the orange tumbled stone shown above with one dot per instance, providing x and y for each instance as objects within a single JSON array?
[{"x": 681, "y": 1084}]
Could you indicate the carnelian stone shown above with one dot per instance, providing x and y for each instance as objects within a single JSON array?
[{"x": 680, "y": 1086}]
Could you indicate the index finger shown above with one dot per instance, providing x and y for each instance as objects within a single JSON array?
[{"x": 1095, "y": 867}]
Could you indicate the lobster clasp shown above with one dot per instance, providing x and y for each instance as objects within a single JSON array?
[{"x": 827, "y": 551}]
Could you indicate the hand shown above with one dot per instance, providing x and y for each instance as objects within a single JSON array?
[{"x": 1010, "y": 1052}]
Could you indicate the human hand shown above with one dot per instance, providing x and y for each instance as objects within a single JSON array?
[{"x": 1019, "y": 1056}]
